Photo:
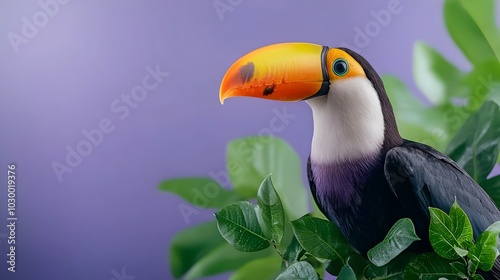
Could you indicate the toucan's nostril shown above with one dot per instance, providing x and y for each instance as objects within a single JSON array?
[{"x": 269, "y": 90}]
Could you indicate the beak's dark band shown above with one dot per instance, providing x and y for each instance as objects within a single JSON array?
[{"x": 325, "y": 85}]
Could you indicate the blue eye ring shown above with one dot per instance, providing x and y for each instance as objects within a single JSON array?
[{"x": 340, "y": 67}]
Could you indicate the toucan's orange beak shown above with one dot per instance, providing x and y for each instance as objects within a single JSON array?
[{"x": 286, "y": 72}]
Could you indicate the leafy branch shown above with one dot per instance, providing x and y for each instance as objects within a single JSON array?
[{"x": 318, "y": 241}]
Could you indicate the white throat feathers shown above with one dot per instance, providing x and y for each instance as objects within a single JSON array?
[{"x": 348, "y": 122}]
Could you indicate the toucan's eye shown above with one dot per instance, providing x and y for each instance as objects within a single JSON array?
[{"x": 340, "y": 67}]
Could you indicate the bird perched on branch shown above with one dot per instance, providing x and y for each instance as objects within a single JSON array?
[{"x": 363, "y": 175}]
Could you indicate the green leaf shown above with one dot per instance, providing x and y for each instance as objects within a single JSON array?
[
  {"x": 316, "y": 211},
  {"x": 476, "y": 145},
  {"x": 200, "y": 251},
  {"x": 250, "y": 160},
  {"x": 293, "y": 251},
  {"x": 441, "y": 234},
  {"x": 415, "y": 121},
  {"x": 492, "y": 187},
  {"x": 357, "y": 262},
  {"x": 400, "y": 236},
  {"x": 238, "y": 224},
  {"x": 473, "y": 259},
  {"x": 429, "y": 266},
  {"x": 316, "y": 264},
  {"x": 374, "y": 272},
  {"x": 270, "y": 211},
  {"x": 346, "y": 273},
  {"x": 265, "y": 269},
  {"x": 477, "y": 277},
  {"x": 320, "y": 238},
  {"x": 447, "y": 233},
  {"x": 394, "y": 270},
  {"x": 461, "y": 252},
  {"x": 482, "y": 83},
  {"x": 459, "y": 269},
  {"x": 201, "y": 192},
  {"x": 460, "y": 226},
  {"x": 478, "y": 86},
  {"x": 333, "y": 267},
  {"x": 190, "y": 245},
  {"x": 435, "y": 76},
  {"x": 486, "y": 248},
  {"x": 472, "y": 25},
  {"x": 222, "y": 259},
  {"x": 299, "y": 271}
]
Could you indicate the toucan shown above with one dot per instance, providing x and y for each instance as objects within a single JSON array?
[{"x": 362, "y": 174}]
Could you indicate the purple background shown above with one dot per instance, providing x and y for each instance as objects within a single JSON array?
[{"x": 107, "y": 213}]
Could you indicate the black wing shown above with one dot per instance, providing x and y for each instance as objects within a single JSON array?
[{"x": 421, "y": 177}]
